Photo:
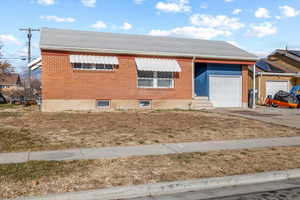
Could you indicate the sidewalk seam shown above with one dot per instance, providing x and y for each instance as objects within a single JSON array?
[{"x": 172, "y": 149}]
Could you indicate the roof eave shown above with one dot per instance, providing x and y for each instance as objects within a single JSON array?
[
  {"x": 114, "y": 51},
  {"x": 278, "y": 74}
]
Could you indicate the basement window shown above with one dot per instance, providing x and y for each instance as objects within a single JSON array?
[
  {"x": 103, "y": 103},
  {"x": 145, "y": 103}
]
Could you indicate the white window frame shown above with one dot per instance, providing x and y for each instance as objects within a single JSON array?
[
  {"x": 155, "y": 81},
  {"x": 93, "y": 67}
]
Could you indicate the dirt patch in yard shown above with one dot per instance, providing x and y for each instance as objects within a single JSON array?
[
  {"x": 36, "y": 178},
  {"x": 24, "y": 131}
]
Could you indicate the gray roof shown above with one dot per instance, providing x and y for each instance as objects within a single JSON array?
[{"x": 88, "y": 41}]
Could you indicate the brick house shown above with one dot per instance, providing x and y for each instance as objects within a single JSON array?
[{"x": 84, "y": 70}]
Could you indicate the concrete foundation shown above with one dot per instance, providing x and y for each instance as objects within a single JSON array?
[{"x": 90, "y": 105}]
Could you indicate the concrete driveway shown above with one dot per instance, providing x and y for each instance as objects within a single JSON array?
[{"x": 281, "y": 116}]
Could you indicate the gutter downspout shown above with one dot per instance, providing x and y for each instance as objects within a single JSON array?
[
  {"x": 254, "y": 87},
  {"x": 193, "y": 76},
  {"x": 259, "y": 88}
]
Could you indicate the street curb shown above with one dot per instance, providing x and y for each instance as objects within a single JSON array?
[{"x": 172, "y": 187}]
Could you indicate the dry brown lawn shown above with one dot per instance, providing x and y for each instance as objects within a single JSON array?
[
  {"x": 31, "y": 130},
  {"x": 36, "y": 178}
]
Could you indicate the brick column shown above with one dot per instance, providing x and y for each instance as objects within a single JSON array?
[{"x": 245, "y": 78}]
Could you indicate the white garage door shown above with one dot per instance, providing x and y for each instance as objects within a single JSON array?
[
  {"x": 225, "y": 91},
  {"x": 272, "y": 87}
]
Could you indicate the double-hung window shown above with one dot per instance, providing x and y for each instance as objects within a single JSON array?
[{"x": 150, "y": 79}]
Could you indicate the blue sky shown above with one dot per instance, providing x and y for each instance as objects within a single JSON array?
[{"x": 254, "y": 25}]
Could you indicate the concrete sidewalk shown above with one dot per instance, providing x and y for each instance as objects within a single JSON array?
[{"x": 144, "y": 150}]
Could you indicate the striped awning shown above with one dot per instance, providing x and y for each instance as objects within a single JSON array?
[
  {"x": 108, "y": 60},
  {"x": 157, "y": 65}
]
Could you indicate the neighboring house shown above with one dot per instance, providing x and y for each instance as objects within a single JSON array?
[
  {"x": 84, "y": 70},
  {"x": 279, "y": 71},
  {"x": 36, "y": 71},
  {"x": 10, "y": 81},
  {"x": 36, "y": 66}
]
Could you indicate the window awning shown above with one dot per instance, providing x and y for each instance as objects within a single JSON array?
[
  {"x": 108, "y": 60},
  {"x": 157, "y": 65}
]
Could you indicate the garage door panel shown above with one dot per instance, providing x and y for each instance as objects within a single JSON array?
[
  {"x": 225, "y": 91},
  {"x": 272, "y": 87}
]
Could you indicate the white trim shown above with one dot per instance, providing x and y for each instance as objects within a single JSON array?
[
  {"x": 278, "y": 74},
  {"x": 32, "y": 64},
  {"x": 254, "y": 88}
]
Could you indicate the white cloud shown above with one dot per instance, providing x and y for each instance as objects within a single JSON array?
[
  {"x": 288, "y": 11},
  {"x": 126, "y": 26},
  {"x": 174, "y": 6},
  {"x": 262, "y": 13},
  {"x": 99, "y": 25},
  {"x": 262, "y": 30},
  {"x": 191, "y": 31},
  {"x": 58, "y": 19},
  {"x": 218, "y": 21},
  {"x": 237, "y": 11},
  {"x": 46, "y": 2},
  {"x": 9, "y": 39},
  {"x": 89, "y": 3},
  {"x": 228, "y": 1},
  {"x": 262, "y": 53}
]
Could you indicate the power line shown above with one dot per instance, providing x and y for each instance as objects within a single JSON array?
[{"x": 13, "y": 58}]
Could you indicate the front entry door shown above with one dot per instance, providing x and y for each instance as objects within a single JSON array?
[{"x": 201, "y": 81}]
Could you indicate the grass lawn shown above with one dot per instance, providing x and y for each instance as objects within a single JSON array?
[
  {"x": 32, "y": 130},
  {"x": 8, "y": 106},
  {"x": 36, "y": 178}
]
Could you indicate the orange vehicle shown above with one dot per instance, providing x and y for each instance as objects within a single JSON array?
[
  {"x": 276, "y": 103},
  {"x": 283, "y": 99}
]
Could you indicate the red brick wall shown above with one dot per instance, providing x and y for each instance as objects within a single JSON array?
[
  {"x": 245, "y": 77},
  {"x": 60, "y": 81}
]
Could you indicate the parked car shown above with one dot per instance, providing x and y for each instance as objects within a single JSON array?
[{"x": 284, "y": 99}]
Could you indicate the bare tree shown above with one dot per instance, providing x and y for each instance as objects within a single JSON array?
[{"x": 5, "y": 67}]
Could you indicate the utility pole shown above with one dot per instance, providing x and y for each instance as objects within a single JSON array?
[{"x": 29, "y": 36}]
